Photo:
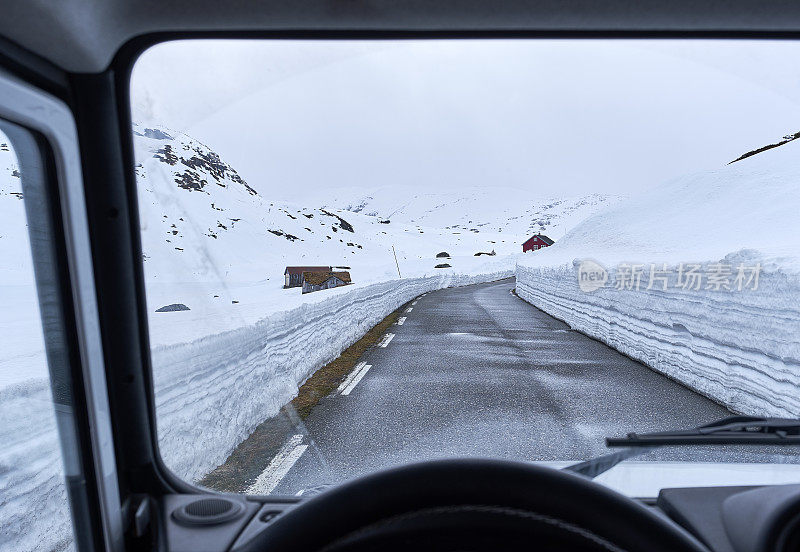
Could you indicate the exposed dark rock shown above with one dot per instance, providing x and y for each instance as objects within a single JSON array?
[
  {"x": 190, "y": 180},
  {"x": 156, "y": 134},
  {"x": 166, "y": 155},
  {"x": 173, "y": 307},
  {"x": 443, "y": 265},
  {"x": 442, "y": 255},
  {"x": 289, "y": 237},
  {"x": 201, "y": 160},
  {"x": 786, "y": 139},
  {"x": 343, "y": 224}
]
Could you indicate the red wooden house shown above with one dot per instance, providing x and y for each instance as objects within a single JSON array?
[{"x": 536, "y": 242}]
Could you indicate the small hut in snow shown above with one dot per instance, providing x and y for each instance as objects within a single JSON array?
[{"x": 315, "y": 281}]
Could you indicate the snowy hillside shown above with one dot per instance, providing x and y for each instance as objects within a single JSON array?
[
  {"x": 213, "y": 242},
  {"x": 213, "y": 224},
  {"x": 16, "y": 267},
  {"x": 731, "y": 332},
  {"x": 22, "y": 355},
  {"x": 478, "y": 211}
]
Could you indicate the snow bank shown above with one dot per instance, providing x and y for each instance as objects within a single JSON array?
[
  {"x": 34, "y": 512},
  {"x": 737, "y": 346},
  {"x": 213, "y": 392}
]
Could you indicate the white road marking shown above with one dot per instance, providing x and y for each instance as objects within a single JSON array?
[
  {"x": 357, "y": 379},
  {"x": 387, "y": 338},
  {"x": 350, "y": 377},
  {"x": 415, "y": 302},
  {"x": 280, "y": 465},
  {"x": 401, "y": 320},
  {"x": 409, "y": 309}
]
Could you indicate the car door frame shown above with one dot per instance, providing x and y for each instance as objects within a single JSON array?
[{"x": 48, "y": 121}]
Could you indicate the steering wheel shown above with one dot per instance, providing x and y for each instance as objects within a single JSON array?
[{"x": 473, "y": 505}]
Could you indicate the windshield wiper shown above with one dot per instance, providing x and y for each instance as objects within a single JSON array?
[
  {"x": 733, "y": 430},
  {"x": 595, "y": 466}
]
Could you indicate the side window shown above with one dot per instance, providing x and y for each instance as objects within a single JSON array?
[{"x": 35, "y": 397}]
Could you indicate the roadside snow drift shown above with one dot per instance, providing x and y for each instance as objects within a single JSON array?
[
  {"x": 213, "y": 392},
  {"x": 703, "y": 281}
]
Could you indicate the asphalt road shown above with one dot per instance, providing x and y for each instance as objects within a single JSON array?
[{"x": 476, "y": 371}]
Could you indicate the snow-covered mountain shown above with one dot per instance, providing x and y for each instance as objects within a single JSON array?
[
  {"x": 201, "y": 221},
  {"x": 510, "y": 211},
  {"x": 750, "y": 206},
  {"x": 212, "y": 240}
]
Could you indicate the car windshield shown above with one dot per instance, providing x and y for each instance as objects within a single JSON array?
[{"x": 361, "y": 254}]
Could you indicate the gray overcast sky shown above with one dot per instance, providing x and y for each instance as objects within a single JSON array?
[{"x": 558, "y": 117}]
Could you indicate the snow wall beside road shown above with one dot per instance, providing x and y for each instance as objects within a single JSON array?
[
  {"x": 738, "y": 348},
  {"x": 213, "y": 392}
]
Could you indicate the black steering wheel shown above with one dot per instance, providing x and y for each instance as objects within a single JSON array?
[{"x": 473, "y": 505}]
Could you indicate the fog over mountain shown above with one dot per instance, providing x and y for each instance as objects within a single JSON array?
[{"x": 558, "y": 118}]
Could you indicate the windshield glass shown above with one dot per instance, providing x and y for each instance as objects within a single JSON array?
[{"x": 359, "y": 254}]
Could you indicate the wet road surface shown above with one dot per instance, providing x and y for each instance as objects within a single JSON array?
[{"x": 476, "y": 371}]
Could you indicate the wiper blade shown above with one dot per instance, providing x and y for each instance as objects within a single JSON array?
[
  {"x": 595, "y": 466},
  {"x": 733, "y": 430}
]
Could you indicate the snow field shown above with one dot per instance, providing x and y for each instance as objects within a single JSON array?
[{"x": 34, "y": 512}]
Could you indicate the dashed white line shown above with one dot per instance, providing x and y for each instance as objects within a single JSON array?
[
  {"x": 350, "y": 377},
  {"x": 280, "y": 465},
  {"x": 409, "y": 309},
  {"x": 401, "y": 320},
  {"x": 387, "y": 338},
  {"x": 361, "y": 373},
  {"x": 414, "y": 302}
]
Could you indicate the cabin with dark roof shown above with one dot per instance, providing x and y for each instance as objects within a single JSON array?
[
  {"x": 294, "y": 274},
  {"x": 536, "y": 242},
  {"x": 315, "y": 281}
]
